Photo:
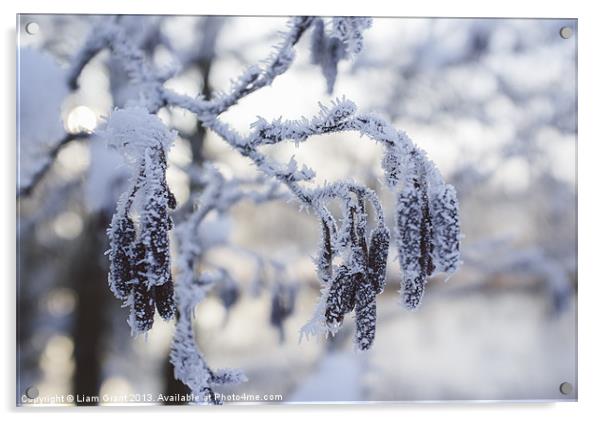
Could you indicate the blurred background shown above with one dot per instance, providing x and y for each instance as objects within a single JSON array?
[{"x": 492, "y": 101}]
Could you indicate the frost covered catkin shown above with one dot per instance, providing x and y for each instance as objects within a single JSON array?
[
  {"x": 426, "y": 215},
  {"x": 142, "y": 308},
  {"x": 357, "y": 282},
  {"x": 164, "y": 300},
  {"x": 325, "y": 254},
  {"x": 428, "y": 237},
  {"x": 365, "y": 315},
  {"x": 341, "y": 296},
  {"x": 377, "y": 257},
  {"x": 120, "y": 257},
  {"x": 140, "y": 267},
  {"x": 414, "y": 242},
  {"x": 446, "y": 231},
  {"x": 155, "y": 221}
]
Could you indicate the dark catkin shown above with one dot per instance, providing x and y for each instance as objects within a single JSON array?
[
  {"x": 362, "y": 220},
  {"x": 325, "y": 254},
  {"x": 377, "y": 257},
  {"x": 164, "y": 300},
  {"x": 140, "y": 269},
  {"x": 142, "y": 296},
  {"x": 143, "y": 308},
  {"x": 341, "y": 296},
  {"x": 365, "y": 315},
  {"x": 426, "y": 236},
  {"x": 358, "y": 258},
  {"x": 415, "y": 242},
  {"x": 446, "y": 231},
  {"x": 121, "y": 239},
  {"x": 409, "y": 216},
  {"x": 154, "y": 221},
  {"x": 352, "y": 275}
]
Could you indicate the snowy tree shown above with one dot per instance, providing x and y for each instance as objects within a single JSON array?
[{"x": 146, "y": 231}]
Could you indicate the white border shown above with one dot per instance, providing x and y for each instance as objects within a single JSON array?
[{"x": 590, "y": 140}]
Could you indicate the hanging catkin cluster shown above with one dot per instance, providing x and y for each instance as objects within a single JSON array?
[
  {"x": 427, "y": 238},
  {"x": 428, "y": 232},
  {"x": 139, "y": 254},
  {"x": 351, "y": 265},
  {"x": 354, "y": 284}
]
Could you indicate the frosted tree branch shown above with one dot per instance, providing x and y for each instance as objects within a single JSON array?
[{"x": 426, "y": 234}]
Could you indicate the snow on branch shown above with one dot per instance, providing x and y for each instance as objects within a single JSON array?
[
  {"x": 257, "y": 77},
  {"x": 189, "y": 364},
  {"x": 41, "y": 90},
  {"x": 331, "y": 119},
  {"x": 423, "y": 196},
  {"x": 352, "y": 260}
]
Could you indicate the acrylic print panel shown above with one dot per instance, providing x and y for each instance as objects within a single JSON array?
[{"x": 307, "y": 209}]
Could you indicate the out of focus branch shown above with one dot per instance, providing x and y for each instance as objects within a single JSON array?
[{"x": 27, "y": 189}]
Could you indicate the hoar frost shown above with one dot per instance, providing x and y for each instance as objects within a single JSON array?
[
  {"x": 351, "y": 262},
  {"x": 139, "y": 255}
]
